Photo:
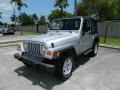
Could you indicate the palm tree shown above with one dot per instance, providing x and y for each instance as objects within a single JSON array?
[
  {"x": 19, "y": 4},
  {"x": 62, "y": 4},
  {"x": 35, "y": 19},
  {"x": 0, "y": 15}
]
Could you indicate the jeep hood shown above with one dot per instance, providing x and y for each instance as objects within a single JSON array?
[{"x": 58, "y": 38}]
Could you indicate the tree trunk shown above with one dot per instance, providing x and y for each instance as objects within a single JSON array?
[
  {"x": 106, "y": 33},
  {"x": 19, "y": 22},
  {"x": 37, "y": 28},
  {"x": 61, "y": 11},
  {"x": 15, "y": 23}
]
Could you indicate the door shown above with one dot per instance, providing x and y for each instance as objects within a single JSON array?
[
  {"x": 86, "y": 35},
  {"x": 94, "y": 32}
]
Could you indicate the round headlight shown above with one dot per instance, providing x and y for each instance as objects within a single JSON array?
[{"x": 43, "y": 48}]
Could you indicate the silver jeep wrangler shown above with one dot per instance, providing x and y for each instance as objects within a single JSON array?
[{"x": 56, "y": 51}]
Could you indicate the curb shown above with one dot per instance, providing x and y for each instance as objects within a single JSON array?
[{"x": 109, "y": 46}]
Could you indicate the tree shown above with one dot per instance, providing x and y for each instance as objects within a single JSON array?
[
  {"x": 62, "y": 4},
  {"x": 102, "y": 9},
  {"x": 5, "y": 25},
  {"x": 42, "y": 20},
  {"x": 0, "y": 15},
  {"x": 19, "y": 4},
  {"x": 116, "y": 5},
  {"x": 56, "y": 14},
  {"x": 25, "y": 19},
  {"x": 35, "y": 18},
  {"x": 81, "y": 10},
  {"x": 13, "y": 19},
  {"x": 1, "y": 24}
]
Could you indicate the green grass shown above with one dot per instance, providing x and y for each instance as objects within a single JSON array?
[{"x": 110, "y": 41}]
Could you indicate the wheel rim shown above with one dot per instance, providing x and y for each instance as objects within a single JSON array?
[
  {"x": 67, "y": 67},
  {"x": 96, "y": 49}
]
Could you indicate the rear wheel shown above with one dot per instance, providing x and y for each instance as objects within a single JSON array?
[
  {"x": 65, "y": 67},
  {"x": 94, "y": 49}
]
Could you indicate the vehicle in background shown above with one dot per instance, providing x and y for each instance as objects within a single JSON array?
[
  {"x": 8, "y": 31},
  {"x": 1, "y": 30}
]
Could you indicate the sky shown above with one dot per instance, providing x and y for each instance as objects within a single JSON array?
[{"x": 40, "y": 7}]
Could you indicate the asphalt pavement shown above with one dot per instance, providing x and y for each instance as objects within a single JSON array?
[{"x": 91, "y": 73}]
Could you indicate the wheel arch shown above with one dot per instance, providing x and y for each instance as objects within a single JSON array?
[
  {"x": 96, "y": 39},
  {"x": 69, "y": 50}
]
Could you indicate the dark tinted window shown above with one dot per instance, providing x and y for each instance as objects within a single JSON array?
[
  {"x": 65, "y": 24},
  {"x": 86, "y": 26},
  {"x": 94, "y": 27}
]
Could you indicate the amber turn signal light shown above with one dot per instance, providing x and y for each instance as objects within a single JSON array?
[
  {"x": 49, "y": 53},
  {"x": 58, "y": 54}
]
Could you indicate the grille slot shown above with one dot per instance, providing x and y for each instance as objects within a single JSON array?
[{"x": 32, "y": 48}]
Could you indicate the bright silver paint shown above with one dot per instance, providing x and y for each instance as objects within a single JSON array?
[{"x": 64, "y": 39}]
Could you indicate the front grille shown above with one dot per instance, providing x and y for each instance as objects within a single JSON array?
[{"x": 32, "y": 48}]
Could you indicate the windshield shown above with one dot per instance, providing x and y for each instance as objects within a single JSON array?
[{"x": 65, "y": 24}]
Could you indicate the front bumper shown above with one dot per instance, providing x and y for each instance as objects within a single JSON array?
[{"x": 33, "y": 60}]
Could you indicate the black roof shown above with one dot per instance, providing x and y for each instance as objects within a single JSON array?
[{"x": 86, "y": 17}]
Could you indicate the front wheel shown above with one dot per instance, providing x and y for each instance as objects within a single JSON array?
[{"x": 64, "y": 67}]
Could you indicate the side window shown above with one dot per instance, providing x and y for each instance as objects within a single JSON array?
[
  {"x": 77, "y": 24},
  {"x": 86, "y": 26},
  {"x": 94, "y": 28}
]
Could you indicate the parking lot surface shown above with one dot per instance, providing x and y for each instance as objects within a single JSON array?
[{"x": 92, "y": 73}]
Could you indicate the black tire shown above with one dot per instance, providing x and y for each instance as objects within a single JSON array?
[
  {"x": 3, "y": 34},
  {"x": 94, "y": 49},
  {"x": 60, "y": 65}
]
